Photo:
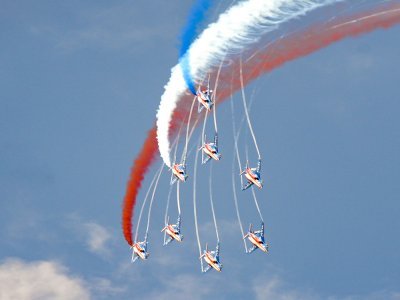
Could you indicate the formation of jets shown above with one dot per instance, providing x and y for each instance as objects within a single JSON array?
[{"x": 178, "y": 170}]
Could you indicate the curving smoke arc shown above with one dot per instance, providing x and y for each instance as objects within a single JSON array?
[
  {"x": 258, "y": 59},
  {"x": 237, "y": 29},
  {"x": 189, "y": 33}
]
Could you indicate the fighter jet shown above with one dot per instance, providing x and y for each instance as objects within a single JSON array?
[
  {"x": 139, "y": 250},
  {"x": 204, "y": 98},
  {"x": 173, "y": 231},
  {"x": 212, "y": 259},
  {"x": 211, "y": 150},
  {"x": 178, "y": 172},
  {"x": 257, "y": 239},
  {"x": 253, "y": 176}
]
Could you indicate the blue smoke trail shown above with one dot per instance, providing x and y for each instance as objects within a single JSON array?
[{"x": 189, "y": 33}]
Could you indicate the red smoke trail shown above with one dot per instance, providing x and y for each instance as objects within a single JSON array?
[
  {"x": 267, "y": 59},
  {"x": 315, "y": 38},
  {"x": 139, "y": 169}
]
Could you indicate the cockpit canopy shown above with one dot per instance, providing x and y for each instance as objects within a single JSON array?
[
  {"x": 175, "y": 229},
  {"x": 180, "y": 169}
]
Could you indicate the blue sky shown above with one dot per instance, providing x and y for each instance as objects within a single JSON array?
[{"x": 80, "y": 84}]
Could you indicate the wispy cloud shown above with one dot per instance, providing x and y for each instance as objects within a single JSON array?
[
  {"x": 274, "y": 288},
  {"x": 184, "y": 287},
  {"x": 39, "y": 280},
  {"x": 265, "y": 287},
  {"x": 103, "y": 287},
  {"x": 97, "y": 238}
]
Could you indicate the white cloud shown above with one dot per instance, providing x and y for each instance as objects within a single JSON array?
[
  {"x": 97, "y": 238},
  {"x": 105, "y": 287},
  {"x": 275, "y": 288},
  {"x": 42, "y": 280},
  {"x": 184, "y": 287}
]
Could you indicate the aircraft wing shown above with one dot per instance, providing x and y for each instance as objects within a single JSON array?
[{"x": 249, "y": 184}]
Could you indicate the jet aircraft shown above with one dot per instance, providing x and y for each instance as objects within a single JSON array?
[
  {"x": 253, "y": 176},
  {"x": 139, "y": 250},
  {"x": 204, "y": 98},
  {"x": 178, "y": 172},
  {"x": 173, "y": 231},
  {"x": 257, "y": 239},
  {"x": 212, "y": 259},
  {"x": 211, "y": 150}
]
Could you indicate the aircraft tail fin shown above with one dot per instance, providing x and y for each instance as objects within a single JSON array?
[
  {"x": 204, "y": 254},
  {"x": 247, "y": 166}
]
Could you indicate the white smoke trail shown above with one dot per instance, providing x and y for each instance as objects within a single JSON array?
[
  {"x": 212, "y": 203},
  {"x": 236, "y": 134},
  {"x": 178, "y": 200},
  {"x": 215, "y": 98},
  {"x": 144, "y": 203},
  {"x": 152, "y": 199},
  {"x": 247, "y": 112},
  {"x": 256, "y": 203},
  {"x": 187, "y": 131},
  {"x": 202, "y": 134},
  {"x": 196, "y": 225},
  {"x": 236, "y": 203},
  {"x": 166, "y": 211},
  {"x": 241, "y": 25}
]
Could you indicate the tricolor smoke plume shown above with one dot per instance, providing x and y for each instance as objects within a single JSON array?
[
  {"x": 257, "y": 61},
  {"x": 189, "y": 33},
  {"x": 236, "y": 29}
]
